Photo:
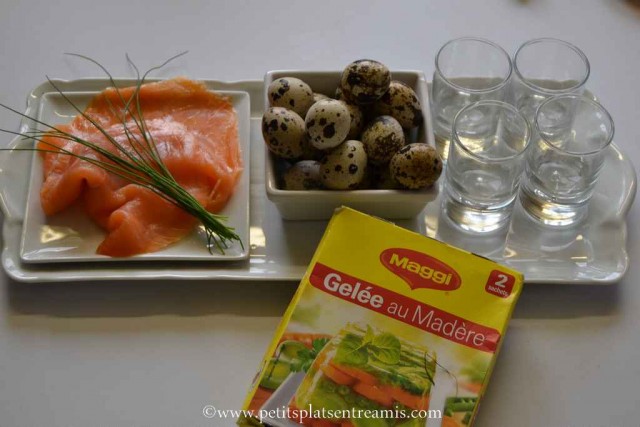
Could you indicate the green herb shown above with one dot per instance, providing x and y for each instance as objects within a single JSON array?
[
  {"x": 318, "y": 344},
  {"x": 138, "y": 163},
  {"x": 305, "y": 357},
  {"x": 352, "y": 351},
  {"x": 356, "y": 350},
  {"x": 368, "y": 336},
  {"x": 386, "y": 348}
]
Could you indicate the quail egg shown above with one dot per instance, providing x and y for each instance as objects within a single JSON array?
[
  {"x": 319, "y": 97},
  {"x": 382, "y": 138},
  {"x": 283, "y": 132},
  {"x": 290, "y": 93},
  {"x": 357, "y": 120},
  {"x": 328, "y": 123},
  {"x": 344, "y": 167},
  {"x": 339, "y": 95},
  {"x": 402, "y": 103},
  {"x": 365, "y": 81},
  {"x": 416, "y": 165},
  {"x": 304, "y": 175}
]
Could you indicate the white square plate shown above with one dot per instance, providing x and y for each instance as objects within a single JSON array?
[{"x": 71, "y": 236}]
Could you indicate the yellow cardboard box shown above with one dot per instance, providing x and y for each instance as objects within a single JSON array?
[{"x": 388, "y": 328}]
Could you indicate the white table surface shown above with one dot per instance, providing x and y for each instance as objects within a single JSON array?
[{"x": 153, "y": 354}]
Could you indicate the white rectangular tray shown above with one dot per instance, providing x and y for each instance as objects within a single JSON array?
[{"x": 594, "y": 253}]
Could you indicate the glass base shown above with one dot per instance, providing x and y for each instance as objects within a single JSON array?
[
  {"x": 477, "y": 220},
  {"x": 550, "y": 213}
]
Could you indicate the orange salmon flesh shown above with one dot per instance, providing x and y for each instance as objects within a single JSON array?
[{"x": 196, "y": 136}]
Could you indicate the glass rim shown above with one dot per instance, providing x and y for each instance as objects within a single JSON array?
[
  {"x": 502, "y": 83},
  {"x": 538, "y": 88},
  {"x": 501, "y": 104},
  {"x": 581, "y": 98}
]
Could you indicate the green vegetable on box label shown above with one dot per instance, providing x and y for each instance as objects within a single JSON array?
[{"x": 278, "y": 371}]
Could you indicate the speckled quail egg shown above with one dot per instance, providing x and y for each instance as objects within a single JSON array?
[
  {"x": 402, "y": 103},
  {"x": 364, "y": 81},
  {"x": 339, "y": 95},
  {"x": 328, "y": 123},
  {"x": 290, "y": 93},
  {"x": 317, "y": 96},
  {"x": 304, "y": 175},
  {"x": 344, "y": 167},
  {"x": 283, "y": 132},
  {"x": 382, "y": 138},
  {"x": 357, "y": 120},
  {"x": 416, "y": 165}
]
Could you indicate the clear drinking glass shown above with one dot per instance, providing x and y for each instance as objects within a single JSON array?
[
  {"x": 467, "y": 70},
  {"x": 544, "y": 68},
  {"x": 486, "y": 160},
  {"x": 570, "y": 137}
]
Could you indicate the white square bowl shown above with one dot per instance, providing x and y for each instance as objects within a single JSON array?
[{"x": 320, "y": 204}]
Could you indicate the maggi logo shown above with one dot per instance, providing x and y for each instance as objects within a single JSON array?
[{"x": 420, "y": 270}]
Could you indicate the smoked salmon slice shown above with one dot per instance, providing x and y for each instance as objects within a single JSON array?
[{"x": 196, "y": 135}]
